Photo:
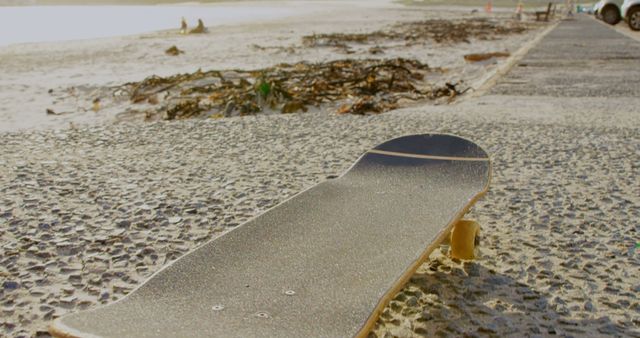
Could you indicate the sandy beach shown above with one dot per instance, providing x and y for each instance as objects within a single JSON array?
[
  {"x": 88, "y": 214},
  {"x": 67, "y": 77},
  {"x": 93, "y": 203}
]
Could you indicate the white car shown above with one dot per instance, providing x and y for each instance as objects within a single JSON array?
[
  {"x": 609, "y": 11},
  {"x": 631, "y": 13}
]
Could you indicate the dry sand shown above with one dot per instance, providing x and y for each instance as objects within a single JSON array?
[
  {"x": 66, "y": 77},
  {"x": 88, "y": 213}
]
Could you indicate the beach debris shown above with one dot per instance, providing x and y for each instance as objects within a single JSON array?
[
  {"x": 453, "y": 91},
  {"x": 485, "y": 56},
  {"x": 278, "y": 49},
  {"x": 364, "y": 105},
  {"x": 52, "y": 112},
  {"x": 200, "y": 28},
  {"x": 173, "y": 51},
  {"x": 352, "y": 86},
  {"x": 341, "y": 39},
  {"x": 440, "y": 31}
]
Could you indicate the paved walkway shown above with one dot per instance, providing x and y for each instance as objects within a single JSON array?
[
  {"x": 580, "y": 58},
  {"x": 582, "y": 73}
]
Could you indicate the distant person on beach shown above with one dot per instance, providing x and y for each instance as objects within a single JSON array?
[
  {"x": 199, "y": 29},
  {"x": 488, "y": 7},
  {"x": 519, "y": 11},
  {"x": 183, "y": 26},
  {"x": 570, "y": 4}
]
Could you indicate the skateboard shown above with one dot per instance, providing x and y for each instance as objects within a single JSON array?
[{"x": 323, "y": 263}]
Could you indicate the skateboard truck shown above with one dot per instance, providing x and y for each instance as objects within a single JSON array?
[{"x": 464, "y": 238}]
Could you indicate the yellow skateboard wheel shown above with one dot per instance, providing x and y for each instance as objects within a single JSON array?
[{"x": 463, "y": 239}]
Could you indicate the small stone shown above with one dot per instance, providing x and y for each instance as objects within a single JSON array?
[
  {"x": 588, "y": 306},
  {"x": 10, "y": 285},
  {"x": 104, "y": 295},
  {"x": 175, "y": 219},
  {"x": 123, "y": 223}
]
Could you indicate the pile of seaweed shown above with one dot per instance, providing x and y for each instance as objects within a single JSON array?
[
  {"x": 353, "y": 86},
  {"x": 440, "y": 31}
]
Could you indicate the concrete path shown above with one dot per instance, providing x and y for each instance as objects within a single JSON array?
[
  {"x": 582, "y": 73},
  {"x": 580, "y": 58}
]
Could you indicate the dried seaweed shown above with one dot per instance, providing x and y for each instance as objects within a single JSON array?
[
  {"x": 360, "y": 86},
  {"x": 173, "y": 51},
  {"x": 448, "y": 31},
  {"x": 411, "y": 33},
  {"x": 440, "y": 31},
  {"x": 341, "y": 39}
]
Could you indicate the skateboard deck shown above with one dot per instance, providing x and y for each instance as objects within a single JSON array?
[{"x": 323, "y": 263}]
